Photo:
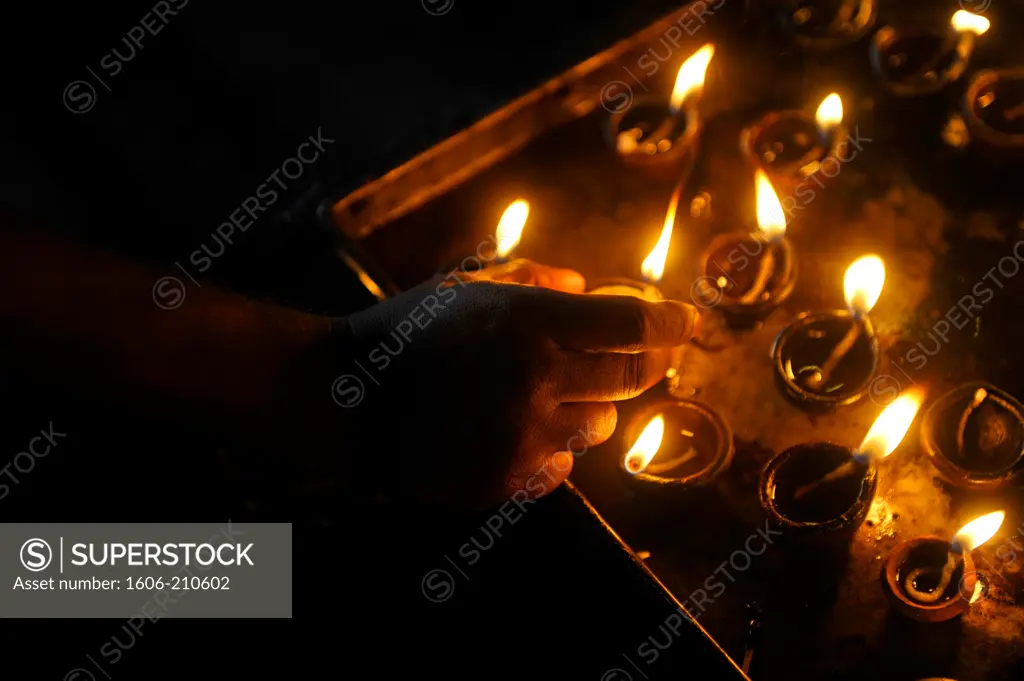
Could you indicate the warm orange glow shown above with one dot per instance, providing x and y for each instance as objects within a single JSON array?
[
  {"x": 646, "y": 445},
  {"x": 863, "y": 283},
  {"x": 964, "y": 21},
  {"x": 891, "y": 425},
  {"x": 830, "y": 113},
  {"x": 690, "y": 79},
  {"x": 653, "y": 266},
  {"x": 980, "y": 530},
  {"x": 770, "y": 217},
  {"x": 510, "y": 227},
  {"x": 364, "y": 277},
  {"x": 979, "y": 590}
]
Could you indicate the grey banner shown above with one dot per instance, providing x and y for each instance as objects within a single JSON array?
[{"x": 146, "y": 571}]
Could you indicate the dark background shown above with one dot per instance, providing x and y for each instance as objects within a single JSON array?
[{"x": 192, "y": 125}]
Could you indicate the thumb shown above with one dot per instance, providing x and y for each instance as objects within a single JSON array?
[
  {"x": 530, "y": 273},
  {"x": 547, "y": 478}
]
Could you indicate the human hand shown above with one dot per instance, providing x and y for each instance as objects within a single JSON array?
[
  {"x": 529, "y": 273},
  {"x": 485, "y": 388}
]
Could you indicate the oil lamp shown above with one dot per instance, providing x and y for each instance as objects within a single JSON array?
[
  {"x": 659, "y": 136},
  {"x": 974, "y": 436},
  {"x": 824, "y": 489},
  {"x": 653, "y": 267},
  {"x": 912, "y": 64},
  {"x": 750, "y": 274},
  {"x": 678, "y": 444},
  {"x": 792, "y": 146},
  {"x": 821, "y": 25},
  {"x": 828, "y": 360},
  {"x": 510, "y": 229},
  {"x": 931, "y": 579},
  {"x": 994, "y": 110}
]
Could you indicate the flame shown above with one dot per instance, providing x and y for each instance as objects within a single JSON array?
[
  {"x": 646, "y": 445},
  {"x": 891, "y": 425},
  {"x": 830, "y": 113},
  {"x": 964, "y": 21},
  {"x": 510, "y": 227},
  {"x": 770, "y": 217},
  {"x": 980, "y": 530},
  {"x": 653, "y": 266},
  {"x": 863, "y": 283},
  {"x": 979, "y": 589},
  {"x": 690, "y": 79}
]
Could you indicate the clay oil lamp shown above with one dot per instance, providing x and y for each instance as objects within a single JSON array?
[
  {"x": 974, "y": 436},
  {"x": 822, "y": 25},
  {"x": 918, "y": 63},
  {"x": 930, "y": 579},
  {"x": 661, "y": 136},
  {"x": 822, "y": 491},
  {"x": 994, "y": 112},
  {"x": 746, "y": 276},
  {"x": 676, "y": 444},
  {"x": 794, "y": 147},
  {"x": 827, "y": 360}
]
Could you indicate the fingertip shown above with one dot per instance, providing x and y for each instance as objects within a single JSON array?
[
  {"x": 573, "y": 281},
  {"x": 562, "y": 463},
  {"x": 687, "y": 319},
  {"x": 606, "y": 419},
  {"x": 560, "y": 279},
  {"x": 555, "y": 472}
]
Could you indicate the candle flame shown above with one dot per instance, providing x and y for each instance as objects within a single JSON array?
[
  {"x": 980, "y": 530},
  {"x": 964, "y": 21},
  {"x": 863, "y": 284},
  {"x": 653, "y": 266},
  {"x": 891, "y": 426},
  {"x": 510, "y": 227},
  {"x": 830, "y": 113},
  {"x": 770, "y": 217},
  {"x": 690, "y": 79},
  {"x": 646, "y": 445}
]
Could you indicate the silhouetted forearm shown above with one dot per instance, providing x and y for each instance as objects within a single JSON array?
[{"x": 88, "y": 321}]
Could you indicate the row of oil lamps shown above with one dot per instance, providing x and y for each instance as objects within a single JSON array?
[
  {"x": 920, "y": 62},
  {"x": 818, "y": 489},
  {"x": 811, "y": 490},
  {"x": 658, "y": 136}
]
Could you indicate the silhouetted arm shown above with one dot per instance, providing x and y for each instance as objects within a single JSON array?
[{"x": 88, "y": 321}]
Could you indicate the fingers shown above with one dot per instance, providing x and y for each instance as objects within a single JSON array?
[
  {"x": 572, "y": 429},
  {"x": 618, "y": 323},
  {"x": 554, "y": 473},
  {"x": 585, "y": 424},
  {"x": 533, "y": 274},
  {"x": 609, "y": 376}
]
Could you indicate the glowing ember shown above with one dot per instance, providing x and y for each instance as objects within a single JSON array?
[
  {"x": 891, "y": 426},
  {"x": 690, "y": 79},
  {"x": 964, "y": 21},
  {"x": 830, "y": 113},
  {"x": 770, "y": 217},
  {"x": 646, "y": 445},
  {"x": 510, "y": 227},
  {"x": 980, "y": 530},
  {"x": 653, "y": 266},
  {"x": 863, "y": 284}
]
